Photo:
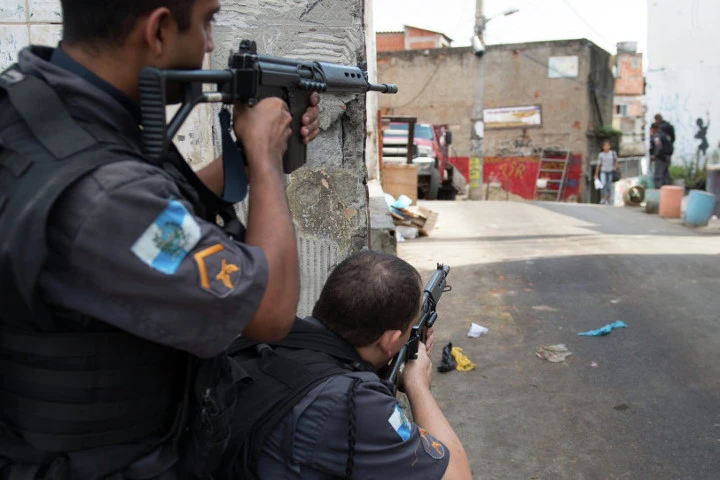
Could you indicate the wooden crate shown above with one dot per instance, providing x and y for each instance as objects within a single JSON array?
[{"x": 400, "y": 179}]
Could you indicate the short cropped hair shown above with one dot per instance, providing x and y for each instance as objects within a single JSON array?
[
  {"x": 109, "y": 22},
  {"x": 367, "y": 294}
]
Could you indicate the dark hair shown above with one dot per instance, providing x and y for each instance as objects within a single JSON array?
[
  {"x": 109, "y": 22},
  {"x": 367, "y": 294}
]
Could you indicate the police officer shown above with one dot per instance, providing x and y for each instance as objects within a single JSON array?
[
  {"x": 660, "y": 155},
  {"x": 350, "y": 425},
  {"x": 117, "y": 285}
]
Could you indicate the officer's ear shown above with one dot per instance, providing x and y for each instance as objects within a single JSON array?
[
  {"x": 389, "y": 342},
  {"x": 160, "y": 30}
]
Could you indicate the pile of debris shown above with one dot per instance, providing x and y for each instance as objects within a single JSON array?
[{"x": 420, "y": 218}]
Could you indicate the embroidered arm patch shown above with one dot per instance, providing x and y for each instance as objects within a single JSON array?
[
  {"x": 400, "y": 423},
  {"x": 167, "y": 240},
  {"x": 216, "y": 272}
]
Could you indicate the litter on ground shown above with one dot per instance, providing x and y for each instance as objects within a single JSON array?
[
  {"x": 603, "y": 330},
  {"x": 553, "y": 353}
]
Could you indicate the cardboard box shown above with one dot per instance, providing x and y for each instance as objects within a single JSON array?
[{"x": 400, "y": 179}]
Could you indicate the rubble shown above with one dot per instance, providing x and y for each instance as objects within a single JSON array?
[{"x": 421, "y": 218}]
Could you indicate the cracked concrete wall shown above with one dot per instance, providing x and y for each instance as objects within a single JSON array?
[{"x": 328, "y": 196}]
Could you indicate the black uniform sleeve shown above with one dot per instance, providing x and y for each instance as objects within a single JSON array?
[{"x": 127, "y": 249}]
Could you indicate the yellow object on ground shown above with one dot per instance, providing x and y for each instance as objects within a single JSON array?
[{"x": 463, "y": 363}]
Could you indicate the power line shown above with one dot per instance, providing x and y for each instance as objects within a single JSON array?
[
  {"x": 427, "y": 83},
  {"x": 567, "y": 2}
]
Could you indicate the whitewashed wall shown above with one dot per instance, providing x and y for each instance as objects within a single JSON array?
[
  {"x": 27, "y": 21},
  {"x": 684, "y": 72}
]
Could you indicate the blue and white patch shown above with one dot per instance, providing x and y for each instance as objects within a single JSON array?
[
  {"x": 167, "y": 240},
  {"x": 400, "y": 423}
]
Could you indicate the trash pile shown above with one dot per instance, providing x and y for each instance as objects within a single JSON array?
[{"x": 410, "y": 221}]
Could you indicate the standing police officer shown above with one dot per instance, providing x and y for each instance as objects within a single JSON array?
[{"x": 119, "y": 292}]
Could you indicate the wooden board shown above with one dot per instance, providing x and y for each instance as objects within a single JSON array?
[
  {"x": 400, "y": 179},
  {"x": 429, "y": 225}
]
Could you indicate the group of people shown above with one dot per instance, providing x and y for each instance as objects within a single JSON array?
[
  {"x": 662, "y": 140},
  {"x": 128, "y": 287}
]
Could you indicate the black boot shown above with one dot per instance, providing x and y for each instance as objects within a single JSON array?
[{"x": 448, "y": 363}]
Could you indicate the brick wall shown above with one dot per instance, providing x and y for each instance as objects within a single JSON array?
[
  {"x": 631, "y": 80},
  {"x": 390, "y": 41},
  {"x": 435, "y": 86}
]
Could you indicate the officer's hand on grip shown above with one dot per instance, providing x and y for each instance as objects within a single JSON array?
[
  {"x": 264, "y": 131},
  {"x": 311, "y": 120},
  {"x": 417, "y": 373},
  {"x": 429, "y": 341}
]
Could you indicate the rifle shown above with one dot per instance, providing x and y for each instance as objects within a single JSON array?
[
  {"x": 431, "y": 296},
  {"x": 250, "y": 78}
]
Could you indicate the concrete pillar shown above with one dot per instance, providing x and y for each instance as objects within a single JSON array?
[
  {"x": 477, "y": 133},
  {"x": 328, "y": 196}
]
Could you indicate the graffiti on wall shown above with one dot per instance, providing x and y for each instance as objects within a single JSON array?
[
  {"x": 683, "y": 97},
  {"x": 701, "y": 135}
]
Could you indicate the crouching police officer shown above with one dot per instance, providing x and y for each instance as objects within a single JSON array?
[
  {"x": 317, "y": 407},
  {"x": 118, "y": 291}
]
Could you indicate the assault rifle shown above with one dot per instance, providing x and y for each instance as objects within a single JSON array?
[
  {"x": 249, "y": 78},
  {"x": 431, "y": 296}
]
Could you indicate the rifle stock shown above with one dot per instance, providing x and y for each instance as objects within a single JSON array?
[
  {"x": 249, "y": 78},
  {"x": 428, "y": 315}
]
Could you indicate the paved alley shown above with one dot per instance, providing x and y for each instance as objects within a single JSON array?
[{"x": 642, "y": 402}]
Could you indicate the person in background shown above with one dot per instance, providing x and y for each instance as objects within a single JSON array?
[
  {"x": 607, "y": 163},
  {"x": 660, "y": 152}
]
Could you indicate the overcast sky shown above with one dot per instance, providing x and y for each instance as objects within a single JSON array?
[{"x": 604, "y": 22}]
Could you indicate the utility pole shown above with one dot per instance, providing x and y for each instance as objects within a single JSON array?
[{"x": 478, "y": 131}]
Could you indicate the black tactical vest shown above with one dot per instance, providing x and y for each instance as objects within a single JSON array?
[
  {"x": 71, "y": 383},
  {"x": 279, "y": 375}
]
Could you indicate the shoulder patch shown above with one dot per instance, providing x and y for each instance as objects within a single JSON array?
[
  {"x": 431, "y": 445},
  {"x": 217, "y": 274},
  {"x": 400, "y": 423},
  {"x": 167, "y": 240}
]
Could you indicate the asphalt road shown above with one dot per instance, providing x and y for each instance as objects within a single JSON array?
[{"x": 640, "y": 403}]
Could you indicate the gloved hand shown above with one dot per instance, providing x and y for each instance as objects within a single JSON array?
[{"x": 448, "y": 363}]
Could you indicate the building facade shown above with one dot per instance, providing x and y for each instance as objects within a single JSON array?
[
  {"x": 629, "y": 109},
  {"x": 561, "y": 93}
]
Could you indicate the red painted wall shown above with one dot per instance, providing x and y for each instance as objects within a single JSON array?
[{"x": 520, "y": 174}]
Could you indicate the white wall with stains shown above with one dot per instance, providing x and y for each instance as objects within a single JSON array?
[
  {"x": 683, "y": 75},
  {"x": 27, "y": 21}
]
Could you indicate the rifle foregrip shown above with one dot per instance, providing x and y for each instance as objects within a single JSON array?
[{"x": 152, "y": 107}]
